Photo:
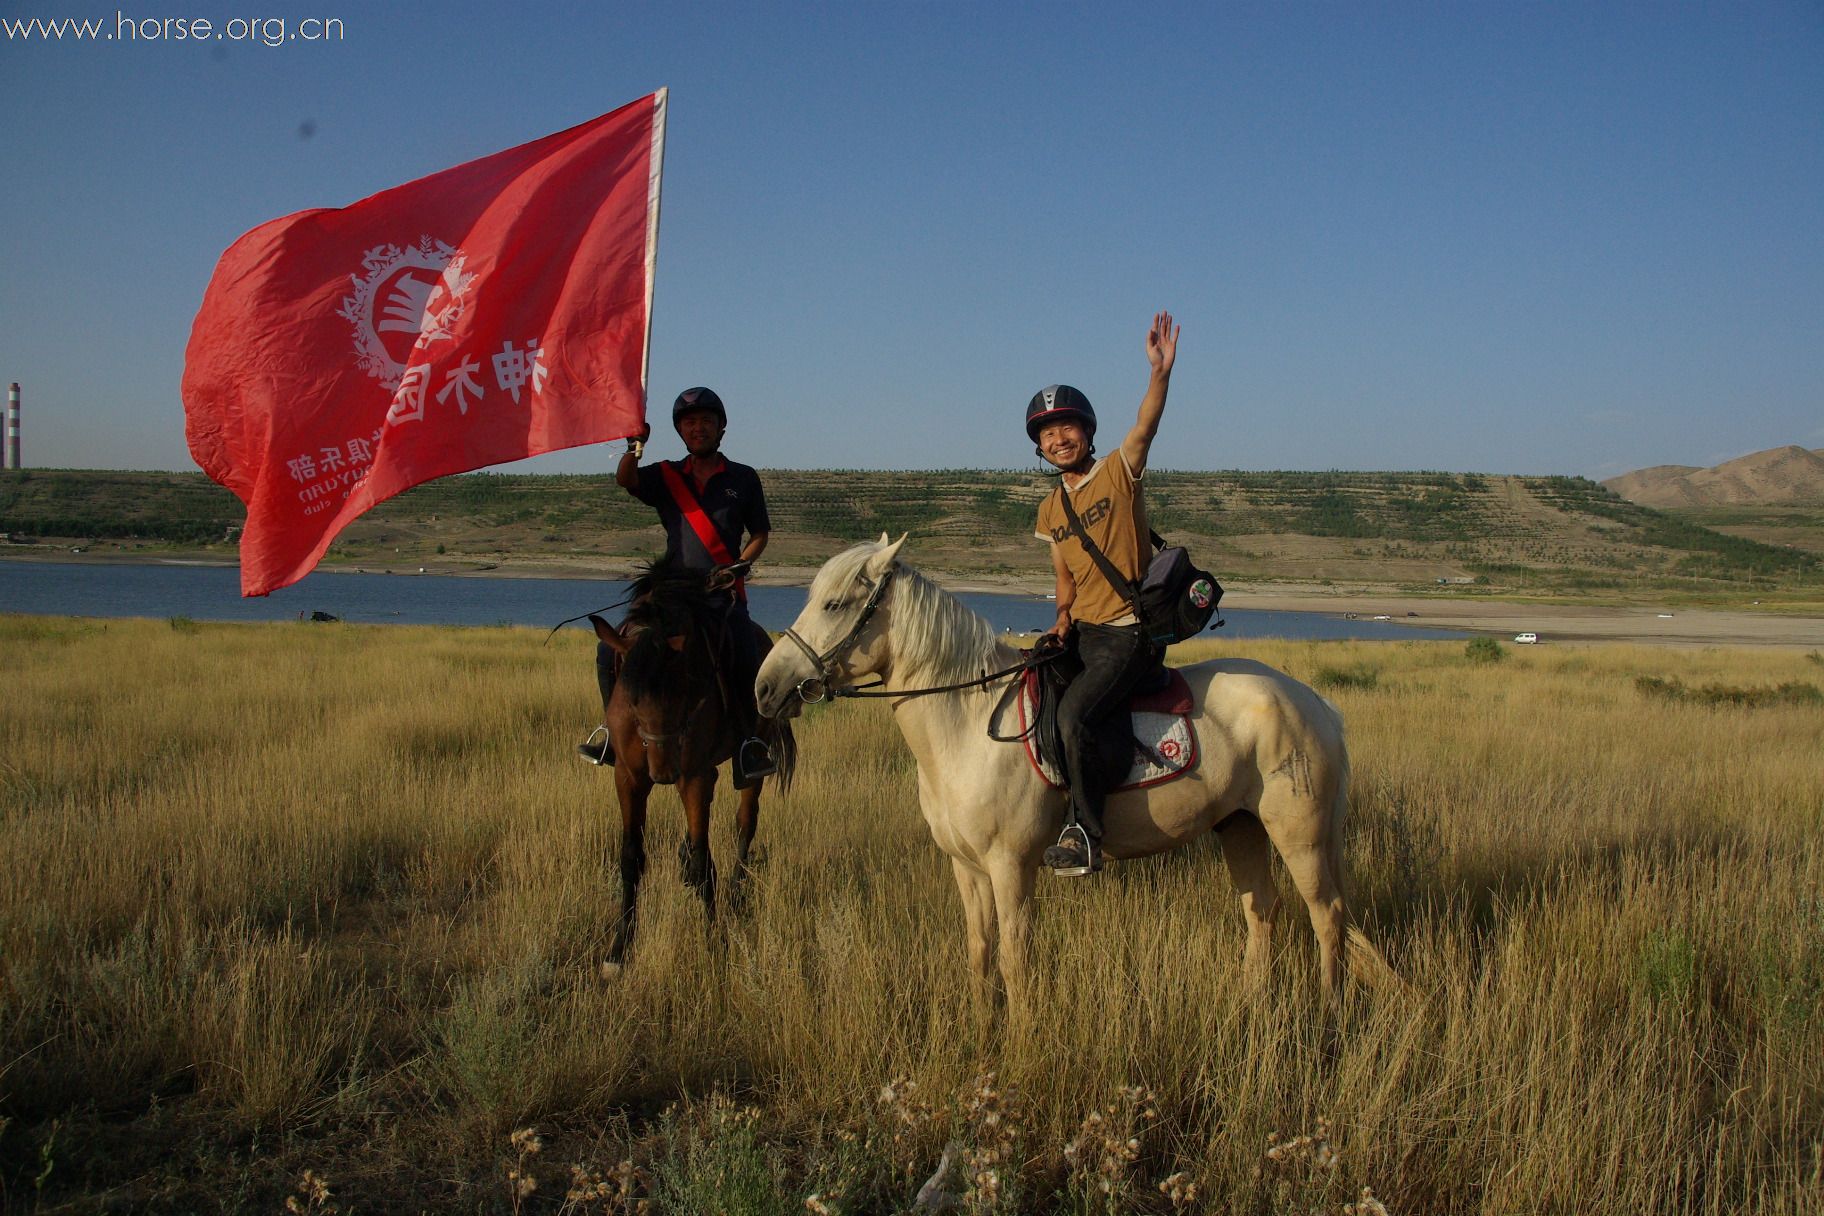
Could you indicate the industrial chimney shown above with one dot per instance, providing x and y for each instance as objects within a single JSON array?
[{"x": 12, "y": 426}]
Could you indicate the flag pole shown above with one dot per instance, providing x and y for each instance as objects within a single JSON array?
[{"x": 656, "y": 171}]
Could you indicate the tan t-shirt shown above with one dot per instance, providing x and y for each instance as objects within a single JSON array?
[{"x": 1113, "y": 510}]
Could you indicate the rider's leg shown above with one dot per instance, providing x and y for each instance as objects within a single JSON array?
[
  {"x": 752, "y": 756},
  {"x": 1114, "y": 660},
  {"x": 598, "y": 748}
]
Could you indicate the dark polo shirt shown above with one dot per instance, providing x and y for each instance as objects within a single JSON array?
[{"x": 732, "y": 499}]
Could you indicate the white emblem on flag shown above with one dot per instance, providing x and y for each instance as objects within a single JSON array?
[{"x": 409, "y": 297}]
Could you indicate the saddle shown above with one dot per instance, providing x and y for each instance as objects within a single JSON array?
[{"x": 1148, "y": 745}]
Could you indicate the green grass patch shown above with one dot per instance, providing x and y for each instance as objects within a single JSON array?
[
  {"x": 1668, "y": 966},
  {"x": 1673, "y": 689},
  {"x": 1358, "y": 678}
]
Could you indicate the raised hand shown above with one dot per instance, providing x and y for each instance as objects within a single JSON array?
[{"x": 1162, "y": 343}]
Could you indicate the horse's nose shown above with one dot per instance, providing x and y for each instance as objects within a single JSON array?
[
  {"x": 766, "y": 696},
  {"x": 777, "y": 700}
]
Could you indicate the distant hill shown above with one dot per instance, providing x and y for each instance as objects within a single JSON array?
[
  {"x": 1777, "y": 477},
  {"x": 1548, "y": 534}
]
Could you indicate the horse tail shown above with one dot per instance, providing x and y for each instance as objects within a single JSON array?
[
  {"x": 779, "y": 739},
  {"x": 1366, "y": 964},
  {"x": 1339, "y": 806}
]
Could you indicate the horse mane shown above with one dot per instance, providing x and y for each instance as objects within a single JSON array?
[
  {"x": 669, "y": 599},
  {"x": 666, "y": 589},
  {"x": 934, "y": 635}
]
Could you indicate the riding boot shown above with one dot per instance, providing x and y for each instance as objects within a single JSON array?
[
  {"x": 753, "y": 759},
  {"x": 1114, "y": 659},
  {"x": 600, "y": 750},
  {"x": 1076, "y": 853}
]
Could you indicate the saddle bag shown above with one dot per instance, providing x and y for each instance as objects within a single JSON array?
[{"x": 1176, "y": 599}]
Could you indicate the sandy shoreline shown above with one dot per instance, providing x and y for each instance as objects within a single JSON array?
[
  {"x": 1554, "y": 623},
  {"x": 1557, "y": 623}
]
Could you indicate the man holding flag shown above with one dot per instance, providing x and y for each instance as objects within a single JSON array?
[{"x": 706, "y": 504}]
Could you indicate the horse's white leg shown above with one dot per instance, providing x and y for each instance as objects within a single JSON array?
[
  {"x": 978, "y": 913},
  {"x": 1013, "y": 881},
  {"x": 1300, "y": 828},
  {"x": 1249, "y": 856}
]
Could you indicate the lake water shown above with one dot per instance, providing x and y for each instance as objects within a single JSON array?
[{"x": 213, "y": 593}]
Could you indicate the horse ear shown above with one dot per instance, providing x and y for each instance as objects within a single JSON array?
[
  {"x": 609, "y": 635},
  {"x": 882, "y": 560}
]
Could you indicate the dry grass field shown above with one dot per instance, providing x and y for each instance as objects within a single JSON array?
[{"x": 306, "y": 918}]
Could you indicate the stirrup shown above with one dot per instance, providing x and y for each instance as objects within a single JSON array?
[
  {"x": 1065, "y": 861},
  {"x": 599, "y": 754},
  {"x": 753, "y": 760}
]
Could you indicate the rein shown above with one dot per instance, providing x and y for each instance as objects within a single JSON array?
[
  {"x": 1032, "y": 660},
  {"x": 585, "y": 616},
  {"x": 813, "y": 689}
]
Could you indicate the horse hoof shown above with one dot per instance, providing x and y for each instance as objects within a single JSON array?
[{"x": 611, "y": 970}]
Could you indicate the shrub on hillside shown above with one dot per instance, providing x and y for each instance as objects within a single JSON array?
[
  {"x": 1484, "y": 650},
  {"x": 1361, "y": 678}
]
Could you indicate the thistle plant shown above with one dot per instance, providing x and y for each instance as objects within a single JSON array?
[
  {"x": 1180, "y": 1190},
  {"x": 622, "y": 1191},
  {"x": 908, "y": 1118},
  {"x": 994, "y": 1125},
  {"x": 521, "y": 1182},
  {"x": 315, "y": 1196},
  {"x": 1302, "y": 1168},
  {"x": 1367, "y": 1205},
  {"x": 1104, "y": 1154},
  {"x": 1312, "y": 1147}
]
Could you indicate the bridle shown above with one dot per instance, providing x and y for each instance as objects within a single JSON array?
[
  {"x": 815, "y": 688},
  {"x": 819, "y": 687}
]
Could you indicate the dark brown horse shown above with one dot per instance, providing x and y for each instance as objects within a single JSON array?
[{"x": 669, "y": 722}]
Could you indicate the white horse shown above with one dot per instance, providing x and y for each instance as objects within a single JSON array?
[{"x": 1273, "y": 773}]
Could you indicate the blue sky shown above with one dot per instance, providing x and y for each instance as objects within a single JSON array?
[{"x": 1504, "y": 238}]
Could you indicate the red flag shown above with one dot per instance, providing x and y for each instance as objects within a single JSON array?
[{"x": 489, "y": 312}]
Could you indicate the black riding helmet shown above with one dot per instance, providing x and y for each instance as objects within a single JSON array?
[
  {"x": 1059, "y": 403},
  {"x": 698, "y": 399}
]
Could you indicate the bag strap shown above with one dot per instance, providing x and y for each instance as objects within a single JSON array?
[
  {"x": 694, "y": 515},
  {"x": 1124, "y": 587}
]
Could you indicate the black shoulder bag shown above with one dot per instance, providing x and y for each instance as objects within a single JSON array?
[{"x": 1174, "y": 600}]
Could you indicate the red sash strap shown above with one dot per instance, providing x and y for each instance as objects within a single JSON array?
[{"x": 694, "y": 515}]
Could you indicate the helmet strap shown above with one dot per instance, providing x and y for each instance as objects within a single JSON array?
[{"x": 1052, "y": 470}]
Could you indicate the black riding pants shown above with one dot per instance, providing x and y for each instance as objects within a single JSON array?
[
  {"x": 1115, "y": 658},
  {"x": 743, "y": 651}
]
